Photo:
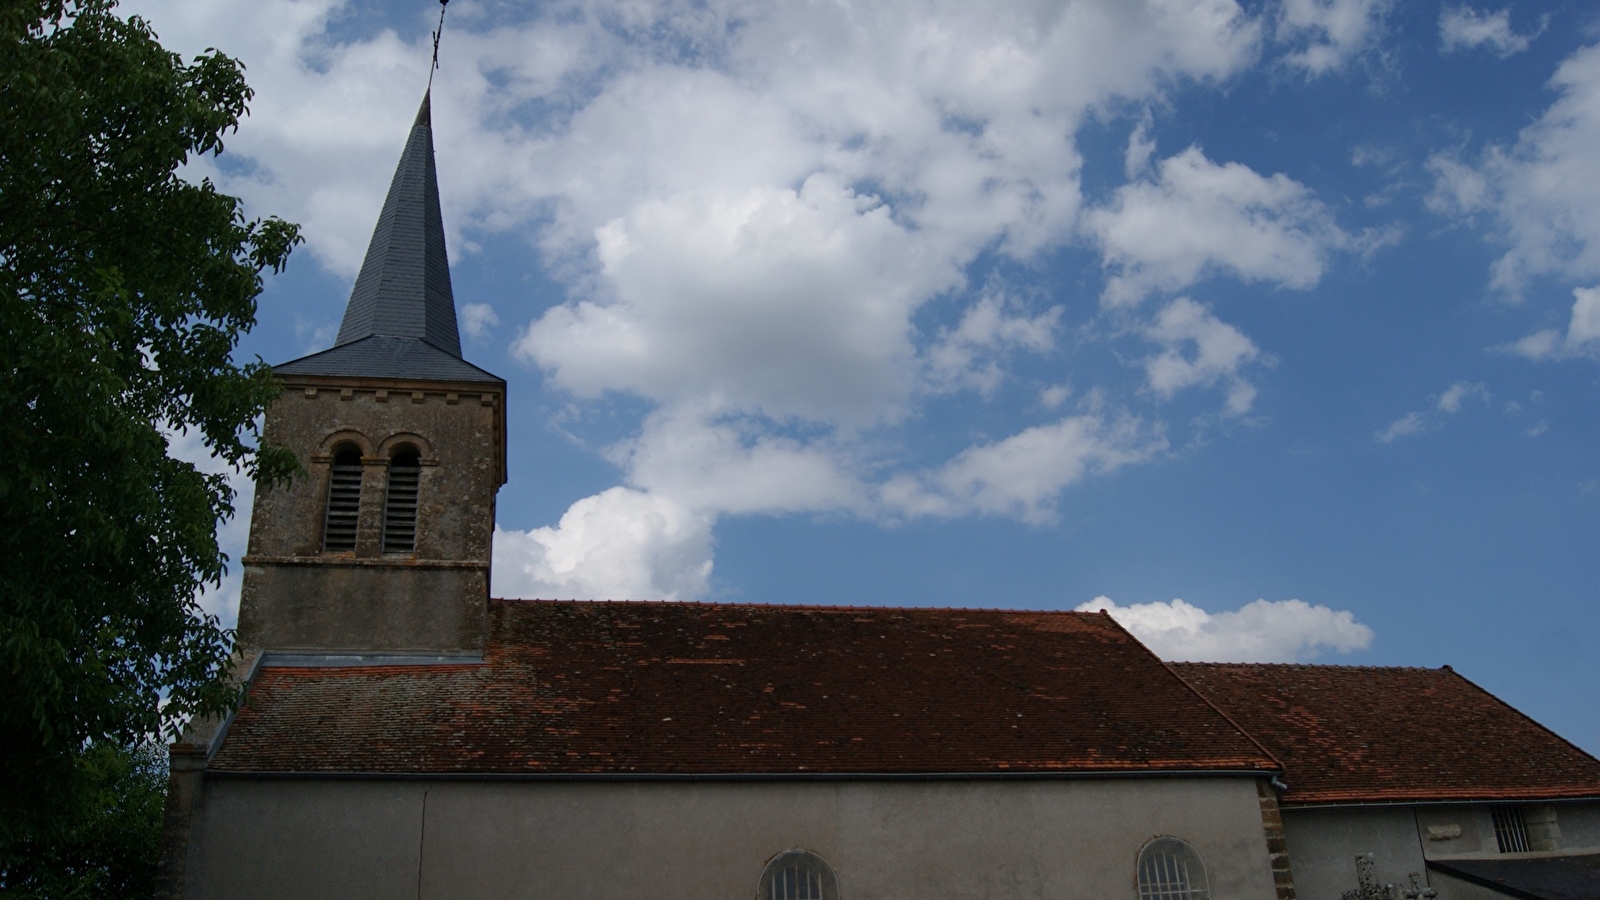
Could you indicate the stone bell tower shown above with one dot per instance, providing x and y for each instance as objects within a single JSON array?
[{"x": 384, "y": 546}]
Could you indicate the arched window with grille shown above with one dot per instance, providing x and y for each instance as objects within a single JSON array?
[
  {"x": 400, "y": 502},
  {"x": 798, "y": 875},
  {"x": 1170, "y": 869},
  {"x": 344, "y": 499}
]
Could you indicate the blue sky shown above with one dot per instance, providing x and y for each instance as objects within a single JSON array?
[{"x": 1273, "y": 327}]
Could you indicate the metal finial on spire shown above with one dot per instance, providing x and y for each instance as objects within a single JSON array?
[{"x": 436, "y": 33}]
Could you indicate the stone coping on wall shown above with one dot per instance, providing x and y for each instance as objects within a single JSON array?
[{"x": 378, "y": 562}]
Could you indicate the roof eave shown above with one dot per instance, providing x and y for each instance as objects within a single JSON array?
[
  {"x": 1343, "y": 801},
  {"x": 994, "y": 775}
]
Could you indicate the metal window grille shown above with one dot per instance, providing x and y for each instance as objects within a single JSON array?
[
  {"x": 796, "y": 883},
  {"x": 1510, "y": 829},
  {"x": 344, "y": 502},
  {"x": 400, "y": 504},
  {"x": 1169, "y": 869},
  {"x": 798, "y": 875}
]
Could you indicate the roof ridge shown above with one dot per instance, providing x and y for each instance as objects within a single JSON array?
[
  {"x": 841, "y": 607},
  {"x": 1277, "y": 665}
]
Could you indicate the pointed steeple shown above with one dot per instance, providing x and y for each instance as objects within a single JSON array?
[
  {"x": 404, "y": 286},
  {"x": 401, "y": 320}
]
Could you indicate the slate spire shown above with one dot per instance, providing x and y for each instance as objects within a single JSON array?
[
  {"x": 401, "y": 321},
  {"x": 404, "y": 286}
]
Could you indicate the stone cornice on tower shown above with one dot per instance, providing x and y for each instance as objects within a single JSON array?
[{"x": 489, "y": 392}]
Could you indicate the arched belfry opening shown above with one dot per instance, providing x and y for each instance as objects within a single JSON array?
[
  {"x": 389, "y": 553},
  {"x": 344, "y": 500},
  {"x": 400, "y": 501}
]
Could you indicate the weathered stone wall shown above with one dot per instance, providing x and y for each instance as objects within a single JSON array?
[
  {"x": 1277, "y": 845},
  {"x": 1013, "y": 839},
  {"x": 297, "y": 596},
  {"x": 365, "y": 608}
]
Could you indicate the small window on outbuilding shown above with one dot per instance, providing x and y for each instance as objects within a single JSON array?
[
  {"x": 400, "y": 502},
  {"x": 1510, "y": 829},
  {"x": 344, "y": 500},
  {"x": 798, "y": 875},
  {"x": 1170, "y": 869}
]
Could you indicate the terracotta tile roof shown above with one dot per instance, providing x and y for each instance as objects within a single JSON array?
[
  {"x": 1364, "y": 734},
  {"x": 686, "y": 689}
]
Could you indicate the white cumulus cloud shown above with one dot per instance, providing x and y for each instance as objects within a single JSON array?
[
  {"x": 322, "y": 134},
  {"x": 617, "y": 545},
  {"x": 1464, "y": 28},
  {"x": 1582, "y": 337},
  {"x": 970, "y": 355},
  {"x": 1022, "y": 475},
  {"x": 1263, "y": 631},
  {"x": 1541, "y": 195},
  {"x": 1327, "y": 34},
  {"x": 1450, "y": 401},
  {"x": 752, "y": 212},
  {"x": 1446, "y": 404},
  {"x": 1218, "y": 352},
  {"x": 1195, "y": 218},
  {"x": 478, "y": 319},
  {"x": 688, "y": 467},
  {"x": 1408, "y": 424},
  {"x": 773, "y": 300},
  {"x": 730, "y": 465}
]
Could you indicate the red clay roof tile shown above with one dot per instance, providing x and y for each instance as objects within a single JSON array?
[
  {"x": 696, "y": 689},
  {"x": 1350, "y": 734}
]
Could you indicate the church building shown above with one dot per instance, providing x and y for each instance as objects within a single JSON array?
[{"x": 406, "y": 735}]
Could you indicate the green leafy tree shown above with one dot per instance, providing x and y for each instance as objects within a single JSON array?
[
  {"x": 109, "y": 833},
  {"x": 124, "y": 290}
]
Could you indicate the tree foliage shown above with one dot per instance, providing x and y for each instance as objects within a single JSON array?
[
  {"x": 109, "y": 837},
  {"x": 124, "y": 290}
]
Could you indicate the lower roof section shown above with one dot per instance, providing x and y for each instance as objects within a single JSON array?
[
  {"x": 1546, "y": 878},
  {"x": 1366, "y": 734},
  {"x": 727, "y": 690}
]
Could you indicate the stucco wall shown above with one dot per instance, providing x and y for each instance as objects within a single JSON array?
[
  {"x": 1323, "y": 843},
  {"x": 1561, "y": 828},
  {"x": 1580, "y": 826},
  {"x": 1438, "y": 825},
  {"x": 573, "y": 840}
]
